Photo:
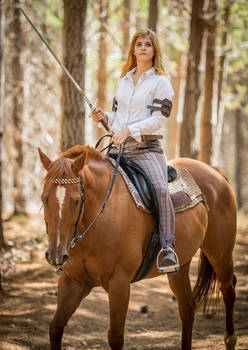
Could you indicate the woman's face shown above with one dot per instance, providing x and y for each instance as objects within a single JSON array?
[{"x": 143, "y": 49}]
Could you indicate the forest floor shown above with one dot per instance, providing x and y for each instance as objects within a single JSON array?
[{"x": 28, "y": 302}]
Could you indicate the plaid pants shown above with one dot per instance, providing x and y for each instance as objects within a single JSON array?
[{"x": 153, "y": 161}]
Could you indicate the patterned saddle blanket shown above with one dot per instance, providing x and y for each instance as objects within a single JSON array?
[{"x": 184, "y": 191}]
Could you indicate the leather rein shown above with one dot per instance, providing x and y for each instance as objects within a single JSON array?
[{"x": 76, "y": 238}]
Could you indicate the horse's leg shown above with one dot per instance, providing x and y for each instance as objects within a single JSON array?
[
  {"x": 218, "y": 247},
  {"x": 119, "y": 292},
  {"x": 227, "y": 279},
  {"x": 180, "y": 286},
  {"x": 70, "y": 294},
  {"x": 229, "y": 297}
]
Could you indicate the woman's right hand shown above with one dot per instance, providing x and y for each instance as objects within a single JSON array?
[{"x": 98, "y": 114}]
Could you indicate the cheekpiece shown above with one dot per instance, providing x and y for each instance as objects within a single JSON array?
[{"x": 57, "y": 181}]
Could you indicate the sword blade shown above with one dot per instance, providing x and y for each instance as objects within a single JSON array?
[{"x": 80, "y": 90}]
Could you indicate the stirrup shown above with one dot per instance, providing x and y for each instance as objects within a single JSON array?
[{"x": 168, "y": 269}]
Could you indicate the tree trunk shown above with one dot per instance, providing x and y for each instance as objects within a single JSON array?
[
  {"x": 73, "y": 112},
  {"x": 16, "y": 81},
  {"x": 192, "y": 88},
  {"x": 2, "y": 242},
  {"x": 205, "y": 151},
  {"x": 126, "y": 27},
  {"x": 153, "y": 15},
  {"x": 174, "y": 125},
  {"x": 222, "y": 61},
  {"x": 102, "y": 56},
  {"x": 238, "y": 157},
  {"x": 221, "y": 82}
]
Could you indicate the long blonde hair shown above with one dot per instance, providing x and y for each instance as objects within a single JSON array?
[{"x": 157, "y": 59}]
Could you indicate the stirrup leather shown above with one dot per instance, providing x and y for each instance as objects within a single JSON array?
[{"x": 171, "y": 268}]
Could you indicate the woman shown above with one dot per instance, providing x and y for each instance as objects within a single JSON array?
[{"x": 142, "y": 103}]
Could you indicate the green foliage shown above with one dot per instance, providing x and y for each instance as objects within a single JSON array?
[
  {"x": 53, "y": 14},
  {"x": 20, "y": 218},
  {"x": 141, "y": 9}
]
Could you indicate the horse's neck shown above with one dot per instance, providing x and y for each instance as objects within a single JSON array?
[{"x": 96, "y": 177}]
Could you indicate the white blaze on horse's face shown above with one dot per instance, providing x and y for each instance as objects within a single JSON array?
[{"x": 60, "y": 194}]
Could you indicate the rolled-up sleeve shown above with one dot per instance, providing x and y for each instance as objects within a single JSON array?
[{"x": 154, "y": 122}]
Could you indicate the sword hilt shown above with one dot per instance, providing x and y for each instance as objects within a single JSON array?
[
  {"x": 105, "y": 125},
  {"x": 92, "y": 107}
]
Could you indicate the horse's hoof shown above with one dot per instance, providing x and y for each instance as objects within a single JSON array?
[{"x": 230, "y": 341}]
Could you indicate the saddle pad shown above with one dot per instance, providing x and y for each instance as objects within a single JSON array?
[{"x": 184, "y": 191}]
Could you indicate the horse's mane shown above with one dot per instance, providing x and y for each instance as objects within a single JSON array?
[
  {"x": 77, "y": 150},
  {"x": 62, "y": 167}
]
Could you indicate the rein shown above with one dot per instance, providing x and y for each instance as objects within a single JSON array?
[
  {"x": 100, "y": 140},
  {"x": 82, "y": 235},
  {"x": 81, "y": 205}
]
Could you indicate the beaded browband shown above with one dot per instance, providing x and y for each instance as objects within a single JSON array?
[{"x": 57, "y": 181}]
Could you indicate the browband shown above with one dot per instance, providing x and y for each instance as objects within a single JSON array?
[{"x": 57, "y": 181}]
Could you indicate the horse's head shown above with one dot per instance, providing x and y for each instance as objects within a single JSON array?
[{"x": 62, "y": 201}]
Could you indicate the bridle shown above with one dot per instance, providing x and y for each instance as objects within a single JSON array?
[
  {"x": 81, "y": 205},
  {"x": 79, "y": 180}
]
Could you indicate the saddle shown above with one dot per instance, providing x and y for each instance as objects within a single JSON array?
[{"x": 143, "y": 184}]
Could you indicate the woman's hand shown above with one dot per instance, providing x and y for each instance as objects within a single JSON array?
[
  {"x": 120, "y": 136},
  {"x": 98, "y": 114}
]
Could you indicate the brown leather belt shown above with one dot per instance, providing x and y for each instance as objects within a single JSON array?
[
  {"x": 151, "y": 137},
  {"x": 145, "y": 138}
]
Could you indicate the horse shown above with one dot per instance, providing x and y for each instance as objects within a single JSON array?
[{"x": 109, "y": 255}]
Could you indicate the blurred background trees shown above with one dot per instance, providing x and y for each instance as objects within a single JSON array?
[
  {"x": 204, "y": 44},
  {"x": 74, "y": 49},
  {"x": 2, "y": 243}
]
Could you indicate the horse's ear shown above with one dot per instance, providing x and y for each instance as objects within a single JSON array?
[
  {"x": 44, "y": 159},
  {"x": 78, "y": 163}
]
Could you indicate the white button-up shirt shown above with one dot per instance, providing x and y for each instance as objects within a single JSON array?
[{"x": 132, "y": 111}]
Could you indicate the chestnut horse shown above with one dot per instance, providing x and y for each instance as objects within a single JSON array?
[{"x": 112, "y": 250}]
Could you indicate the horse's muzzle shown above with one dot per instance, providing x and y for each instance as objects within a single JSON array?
[{"x": 56, "y": 260}]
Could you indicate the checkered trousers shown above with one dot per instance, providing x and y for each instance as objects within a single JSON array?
[{"x": 154, "y": 163}]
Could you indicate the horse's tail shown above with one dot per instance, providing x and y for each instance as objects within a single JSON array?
[{"x": 206, "y": 292}]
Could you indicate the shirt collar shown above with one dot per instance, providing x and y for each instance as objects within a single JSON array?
[
  {"x": 129, "y": 74},
  {"x": 150, "y": 71},
  {"x": 147, "y": 73}
]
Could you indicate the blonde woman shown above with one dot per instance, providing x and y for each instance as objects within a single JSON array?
[{"x": 142, "y": 103}]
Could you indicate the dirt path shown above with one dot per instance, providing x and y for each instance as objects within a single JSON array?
[{"x": 29, "y": 301}]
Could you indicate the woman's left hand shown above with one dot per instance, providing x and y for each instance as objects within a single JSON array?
[{"x": 120, "y": 136}]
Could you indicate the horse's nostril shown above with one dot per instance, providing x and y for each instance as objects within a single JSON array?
[
  {"x": 65, "y": 258},
  {"x": 47, "y": 256}
]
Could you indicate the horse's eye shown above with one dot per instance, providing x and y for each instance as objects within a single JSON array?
[{"x": 76, "y": 202}]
